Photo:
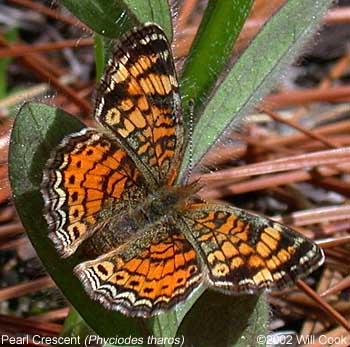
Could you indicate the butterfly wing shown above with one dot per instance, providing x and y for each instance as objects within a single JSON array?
[
  {"x": 149, "y": 274},
  {"x": 243, "y": 252},
  {"x": 138, "y": 100},
  {"x": 86, "y": 172}
]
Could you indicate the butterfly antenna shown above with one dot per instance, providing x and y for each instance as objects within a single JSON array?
[{"x": 190, "y": 138}]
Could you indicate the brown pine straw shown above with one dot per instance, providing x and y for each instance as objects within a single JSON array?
[
  {"x": 20, "y": 50},
  {"x": 333, "y": 184},
  {"x": 336, "y": 255},
  {"x": 6, "y": 214},
  {"x": 51, "y": 316},
  {"x": 298, "y": 127},
  {"x": 13, "y": 326},
  {"x": 30, "y": 326},
  {"x": 30, "y": 62},
  {"x": 338, "y": 15},
  {"x": 341, "y": 285},
  {"x": 307, "y": 96},
  {"x": 334, "y": 228},
  {"x": 317, "y": 215},
  {"x": 278, "y": 143},
  {"x": 336, "y": 71},
  {"x": 25, "y": 288},
  {"x": 5, "y": 192},
  {"x": 268, "y": 182},
  {"x": 323, "y": 304},
  {"x": 305, "y": 161},
  {"x": 20, "y": 97},
  {"x": 11, "y": 229},
  {"x": 334, "y": 241},
  {"x": 14, "y": 244},
  {"x": 51, "y": 13},
  {"x": 333, "y": 16},
  {"x": 291, "y": 140}
]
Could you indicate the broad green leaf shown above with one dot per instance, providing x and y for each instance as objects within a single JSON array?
[
  {"x": 157, "y": 11},
  {"x": 257, "y": 325},
  {"x": 112, "y": 18},
  {"x": 254, "y": 74},
  {"x": 222, "y": 320},
  {"x": 211, "y": 49},
  {"x": 38, "y": 129},
  {"x": 167, "y": 324},
  {"x": 107, "y": 17},
  {"x": 75, "y": 326}
]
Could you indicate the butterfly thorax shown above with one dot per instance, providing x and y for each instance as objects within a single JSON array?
[
  {"x": 168, "y": 201},
  {"x": 121, "y": 227}
]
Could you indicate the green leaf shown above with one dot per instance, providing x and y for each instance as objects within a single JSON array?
[
  {"x": 166, "y": 324},
  {"x": 254, "y": 74},
  {"x": 106, "y": 17},
  {"x": 112, "y": 18},
  {"x": 222, "y": 320},
  {"x": 75, "y": 326},
  {"x": 157, "y": 11},
  {"x": 212, "y": 49},
  {"x": 37, "y": 130}
]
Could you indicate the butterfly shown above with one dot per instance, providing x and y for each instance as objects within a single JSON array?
[{"x": 147, "y": 241}]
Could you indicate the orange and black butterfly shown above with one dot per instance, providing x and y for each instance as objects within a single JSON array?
[{"x": 152, "y": 241}]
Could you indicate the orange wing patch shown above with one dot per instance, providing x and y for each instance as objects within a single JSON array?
[
  {"x": 138, "y": 99},
  {"x": 146, "y": 280},
  {"x": 244, "y": 252},
  {"x": 86, "y": 172}
]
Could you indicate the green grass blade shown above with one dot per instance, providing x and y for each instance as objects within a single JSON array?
[
  {"x": 100, "y": 58},
  {"x": 37, "y": 131},
  {"x": 9, "y": 36},
  {"x": 254, "y": 74},
  {"x": 211, "y": 49}
]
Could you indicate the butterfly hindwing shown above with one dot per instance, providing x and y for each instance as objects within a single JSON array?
[{"x": 146, "y": 275}]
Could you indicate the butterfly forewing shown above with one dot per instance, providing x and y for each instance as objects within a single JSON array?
[
  {"x": 87, "y": 173},
  {"x": 138, "y": 100}
]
